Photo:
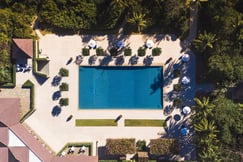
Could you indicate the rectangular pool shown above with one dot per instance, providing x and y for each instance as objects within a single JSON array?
[{"x": 120, "y": 87}]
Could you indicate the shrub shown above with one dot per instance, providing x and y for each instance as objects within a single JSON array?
[
  {"x": 63, "y": 72},
  {"x": 141, "y": 145},
  {"x": 164, "y": 146},
  {"x": 177, "y": 87},
  {"x": 64, "y": 87},
  {"x": 85, "y": 52},
  {"x": 100, "y": 51},
  {"x": 141, "y": 51},
  {"x": 156, "y": 51},
  {"x": 177, "y": 102},
  {"x": 63, "y": 102},
  {"x": 128, "y": 51},
  {"x": 176, "y": 73},
  {"x": 120, "y": 146}
]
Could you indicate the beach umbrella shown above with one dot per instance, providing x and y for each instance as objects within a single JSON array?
[
  {"x": 185, "y": 80},
  {"x": 185, "y": 57},
  {"x": 149, "y": 43},
  {"x": 92, "y": 43},
  {"x": 120, "y": 44},
  {"x": 83, "y": 148},
  {"x": 186, "y": 110},
  {"x": 184, "y": 131}
]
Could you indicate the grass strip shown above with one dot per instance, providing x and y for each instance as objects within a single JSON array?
[
  {"x": 95, "y": 122},
  {"x": 144, "y": 123}
]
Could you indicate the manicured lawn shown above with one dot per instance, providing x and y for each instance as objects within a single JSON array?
[
  {"x": 95, "y": 122},
  {"x": 144, "y": 123}
]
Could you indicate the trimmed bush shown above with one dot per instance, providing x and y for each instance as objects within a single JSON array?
[
  {"x": 100, "y": 51},
  {"x": 177, "y": 87},
  {"x": 156, "y": 51},
  {"x": 85, "y": 52},
  {"x": 63, "y": 102},
  {"x": 63, "y": 72},
  {"x": 128, "y": 51},
  {"x": 141, "y": 145},
  {"x": 64, "y": 87},
  {"x": 141, "y": 51}
]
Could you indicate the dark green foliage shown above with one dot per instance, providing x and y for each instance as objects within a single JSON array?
[
  {"x": 128, "y": 51},
  {"x": 141, "y": 51},
  {"x": 85, "y": 52},
  {"x": 5, "y": 63},
  {"x": 64, "y": 87},
  {"x": 113, "y": 51},
  {"x": 63, "y": 102},
  {"x": 177, "y": 87},
  {"x": 141, "y": 145},
  {"x": 177, "y": 102},
  {"x": 164, "y": 146},
  {"x": 176, "y": 73},
  {"x": 156, "y": 51},
  {"x": 100, "y": 51},
  {"x": 63, "y": 72},
  {"x": 120, "y": 146}
]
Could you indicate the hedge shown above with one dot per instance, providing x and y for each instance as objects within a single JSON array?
[
  {"x": 164, "y": 146},
  {"x": 85, "y": 52},
  {"x": 63, "y": 72},
  {"x": 120, "y": 146},
  {"x": 156, "y": 51},
  {"x": 128, "y": 51},
  {"x": 100, "y": 51},
  {"x": 29, "y": 84},
  {"x": 141, "y": 51},
  {"x": 13, "y": 83}
]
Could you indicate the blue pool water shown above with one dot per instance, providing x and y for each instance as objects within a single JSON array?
[{"x": 120, "y": 87}]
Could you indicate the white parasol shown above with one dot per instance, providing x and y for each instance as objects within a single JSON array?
[
  {"x": 149, "y": 43},
  {"x": 185, "y": 57},
  {"x": 92, "y": 43},
  {"x": 185, "y": 80},
  {"x": 186, "y": 110}
]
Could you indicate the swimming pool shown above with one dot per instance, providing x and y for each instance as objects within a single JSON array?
[{"x": 120, "y": 87}]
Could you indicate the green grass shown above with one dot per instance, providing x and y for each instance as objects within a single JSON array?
[
  {"x": 95, "y": 122},
  {"x": 144, "y": 123}
]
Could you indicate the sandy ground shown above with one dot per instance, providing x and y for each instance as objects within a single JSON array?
[{"x": 55, "y": 131}]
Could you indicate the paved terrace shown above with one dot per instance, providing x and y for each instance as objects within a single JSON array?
[{"x": 55, "y": 131}]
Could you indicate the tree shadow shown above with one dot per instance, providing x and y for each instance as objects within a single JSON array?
[
  {"x": 56, "y": 80},
  {"x": 119, "y": 60},
  {"x": 106, "y": 60},
  {"x": 157, "y": 84},
  {"x": 148, "y": 60},
  {"x": 92, "y": 59},
  {"x": 168, "y": 74},
  {"x": 56, "y": 95},
  {"x": 133, "y": 60},
  {"x": 86, "y": 38},
  {"x": 56, "y": 111}
]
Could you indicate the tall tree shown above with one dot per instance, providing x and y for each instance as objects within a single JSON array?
[
  {"x": 204, "y": 41},
  {"x": 138, "y": 20}
]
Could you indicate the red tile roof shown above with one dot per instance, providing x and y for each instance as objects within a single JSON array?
[
  {"x": 25, "y": 45},
  {"x": 9, "y": 116},
  {"x": 4, "y": 154},
  {"x": 3, "y": 136}
]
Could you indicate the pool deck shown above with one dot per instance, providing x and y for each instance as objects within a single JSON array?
[{"x": 55, "y": 131}]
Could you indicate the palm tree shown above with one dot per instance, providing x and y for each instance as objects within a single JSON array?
[
  {"x": 204, "y": 41},
  {"x": 126, "y": 3},
  {"x": 138, "y": 20},
  {"x": 206, "y": 140},
  {"x": 203, "y": 107}
]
